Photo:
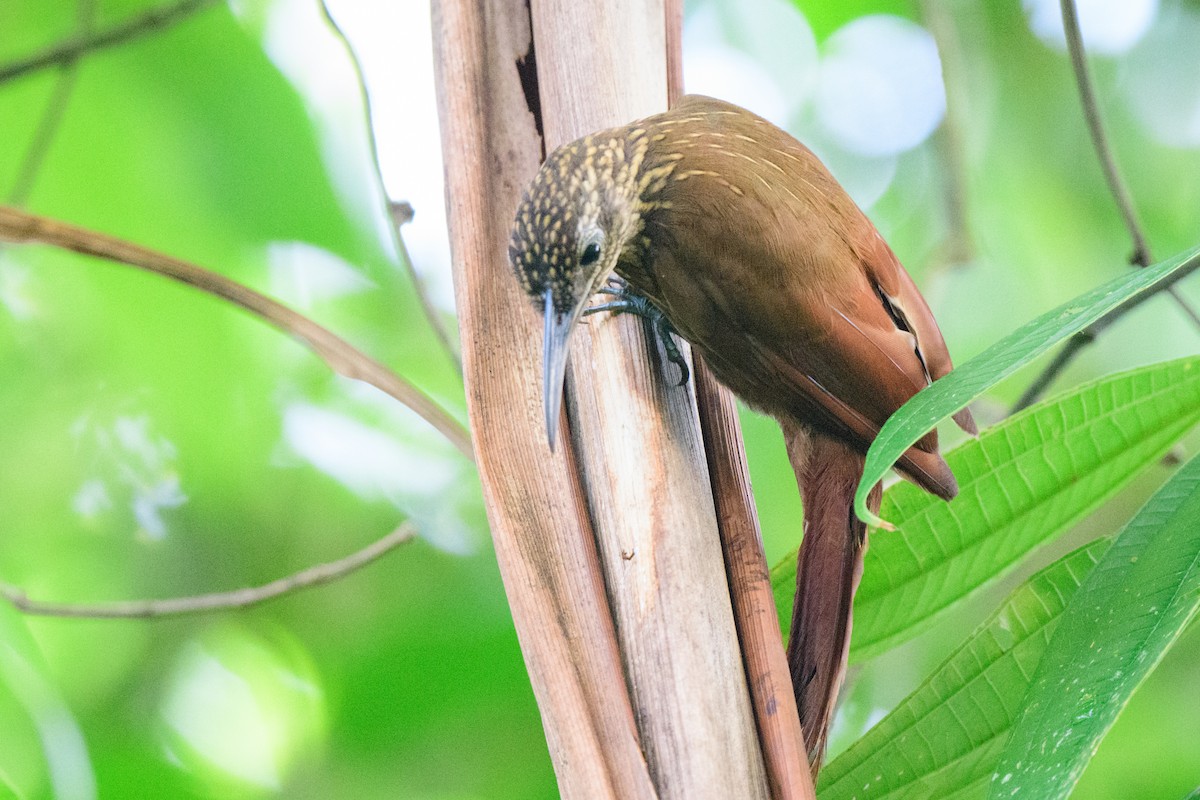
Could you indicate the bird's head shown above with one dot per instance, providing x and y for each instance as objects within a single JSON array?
[{"x": 570, "y": 229}]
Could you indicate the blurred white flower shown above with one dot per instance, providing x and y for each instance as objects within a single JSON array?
[
  {"x": 92, "y": 499},
  {"x": 129, "y": 464}
]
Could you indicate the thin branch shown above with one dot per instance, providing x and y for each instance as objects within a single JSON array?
[
  {"x": 396, "y": 221},
  {"x": 399, "y": 215},
  {"x": 1091, "y": 110},
  {"x": 1182, "y": 302},
  {"x": 154, "y": 20},
  {"x": 1063, "y": 357},
  {"x": 342, "y": 357},
  {"x": 1095, "y": 123},
  {"x": 1141, "y": 256},
  {"x": 52, "y": 116},
  {"x": 956, "y": 250},
  {"x": 43, "y": 136},
  {"x": 219, "y": 601}
]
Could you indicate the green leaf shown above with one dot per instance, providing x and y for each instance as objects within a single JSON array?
[
  {"x": 953, "y": 392},
  {"x": 1115, "y": 630},
  {"x": 1023, "y": 482},
  {"x": 944, "y": 739}
]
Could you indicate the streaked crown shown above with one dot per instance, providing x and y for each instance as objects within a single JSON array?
[{"x": 577, "y": 216}]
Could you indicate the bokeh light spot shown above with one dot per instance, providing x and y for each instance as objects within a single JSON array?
[
  {"x": 1108, "y": 27},
  {"x": 741, "y": 50},
  {"x": 880, "y": 91},
  {"x": 302, "y": 275},
  {"x": 241, "y": 711},
  {"x": 1161, "y": 80}
]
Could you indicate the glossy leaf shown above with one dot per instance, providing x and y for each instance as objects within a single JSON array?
[
  {"x": 968, "y": 381},
  {"x": 1116, "y": 629},
  {"x": 1023, "y": 482},
  {"x": 945, "y": 738}
]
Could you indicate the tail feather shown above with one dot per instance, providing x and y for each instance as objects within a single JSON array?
[{"x": 830, "y": 566}]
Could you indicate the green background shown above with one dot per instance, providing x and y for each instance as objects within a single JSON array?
[{"x": 148, "y": 447}]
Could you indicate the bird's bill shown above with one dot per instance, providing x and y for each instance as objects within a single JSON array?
[{"x": 558, "y": 327}]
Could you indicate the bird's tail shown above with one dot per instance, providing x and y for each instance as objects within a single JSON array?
[{"x": 830, "y": 565}]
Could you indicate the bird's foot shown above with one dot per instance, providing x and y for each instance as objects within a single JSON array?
[{"x": 627, "y": 301}]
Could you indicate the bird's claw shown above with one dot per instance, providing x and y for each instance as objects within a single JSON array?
[
  {"x": 628, "y": 301},
  {"x": 663, "y": 327}
]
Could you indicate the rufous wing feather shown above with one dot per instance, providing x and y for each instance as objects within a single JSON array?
[{"x": 905, "y": 302}]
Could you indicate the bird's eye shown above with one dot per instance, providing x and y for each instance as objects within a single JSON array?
[{"x": 590, "y": 254}]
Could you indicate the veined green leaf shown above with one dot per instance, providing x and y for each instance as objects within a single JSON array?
[
  {"x": 945, "y": 739},
  {"x": 1116, "y": 629},
  {"x": 951, "y": 393},
  {"x": 1022, "y": 483}
]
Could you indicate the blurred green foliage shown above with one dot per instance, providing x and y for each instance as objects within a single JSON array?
[
  {"x": 407, "y": 680},
  {"x": 158, "y": 443}
]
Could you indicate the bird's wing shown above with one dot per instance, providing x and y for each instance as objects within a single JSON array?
[
  {"x": 763, "y": 261},
  {"x": 908, "y": 307},
  {"x": 833, "y": 352},
  {"x": 859, "y": 373}
]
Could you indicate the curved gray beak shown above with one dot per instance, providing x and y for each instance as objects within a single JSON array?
[{"x": 558, "y": 328}]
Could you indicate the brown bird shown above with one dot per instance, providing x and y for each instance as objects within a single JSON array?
[{"x": 753, "y": 252}]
